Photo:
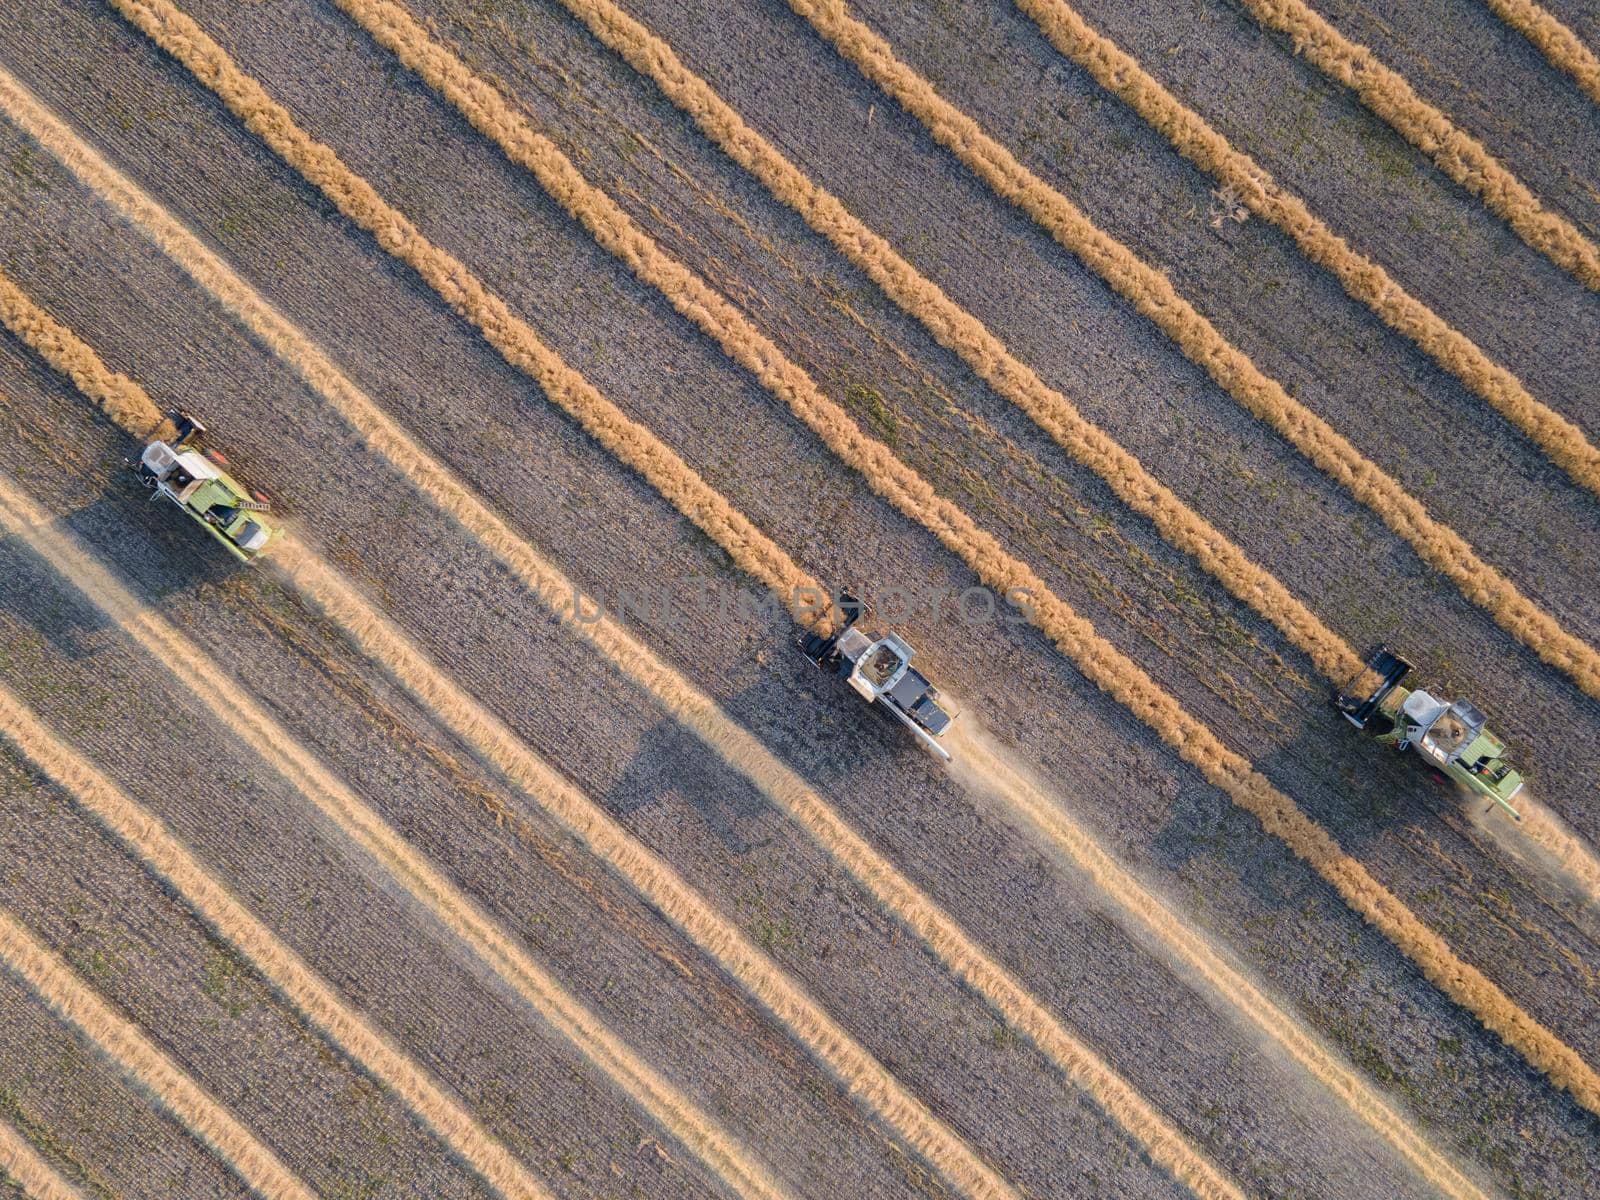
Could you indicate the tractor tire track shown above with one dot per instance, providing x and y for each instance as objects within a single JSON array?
[
  {"x": 1362, "y": 279},
  {"x": 983, "y": 768},
  {"x": 1153, "y": 295},
  {"x": 1553, "y": 40},
  {"x": 75, "y": 1002},
  {"x": 21, "y": 1163},
  {"x": 163, "y": 855},
  {"x": 1101, "y": 662},
  {"x": 1455, "y": 152},
  {"x": 864, "y": 1078},
  {"x": 676, "y": 695},
  {"x": 441, "y": 899}
]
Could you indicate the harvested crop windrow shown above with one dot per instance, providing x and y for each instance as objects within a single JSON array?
[
  {"x": 1454, "y": 151},
  {"x": 629, "y": 441},
  {"x": 866, "y": 1079},
  {"x": 861, "y": 1074},
  {"x": 1153, "y": 295},
  {"x": 892, "y": 479},
  {"x": 144, "y": 835},
  {"x": 499, "y": 950},
  {"x": 118, "y": 396},
  {"x": 127, "y": 1046},
  {"x": 1554, "y": 40},
  {"x": 675, "y": 694},
  {"x": 1363, "y": 279},
  {"x": 959, "y": 331},
  {"x": 21, "y": 1163}
]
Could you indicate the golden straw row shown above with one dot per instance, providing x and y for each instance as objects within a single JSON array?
[
  {"x": 1154, "y": 296},
  {"x": 69, "y": 354},
  {"x": 863, "y": 1076},
  {"x": 119, "y": 397},
  {"x": 962, "y": 333},
  {"x": 148, "y": 840},
  {"x": 1364, "y": 280},
  {"x": 699, "y": 713},
  {"x": 1102, "y": 663},
  {"x": 1555, "y": 41},
  {"x": 145, "y": 1063},
  {"x": 1454, "y": 151},
  {"x": 499, "y": 950},
  {"x": 21, "y": 1163},
  {"x": 676, "y": 695}
]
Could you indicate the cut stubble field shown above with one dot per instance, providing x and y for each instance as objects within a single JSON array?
[{"x": 908, "y": 1101}]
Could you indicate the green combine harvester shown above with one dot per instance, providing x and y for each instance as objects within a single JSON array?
[
  {"x": 196, "y": 482},
  {"x": 1450, "y": 737}
]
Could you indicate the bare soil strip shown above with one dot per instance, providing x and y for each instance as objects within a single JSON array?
[
  {"x": 1553, "y": 40},
  {"x": 428, "y": 886},
  {"x": 676, "y": 694},
  {"x": 1363, "y": 279},
  {"x": 892, "y": 479},
  {"x": 1153, "y": 295},
  {"x": 21, "y": 1163},
  {"x": 143, "y": 834},
  {"x": 75, "y": 1002},
  {"x": 118, "y": 396},
  {"x": 1455, "y": 152}
]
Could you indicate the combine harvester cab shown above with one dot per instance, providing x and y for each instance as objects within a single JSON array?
[
  {"x": 196, "y": 482},
  {"x": 880, "y": 670},
  {"x": 1452, "y": 737}
]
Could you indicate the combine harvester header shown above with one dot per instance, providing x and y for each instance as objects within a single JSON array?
[
  {"x": 1451, "y": 737},
  {"x": 196, "y": 482},
  {"x": 879, "y": 669}
]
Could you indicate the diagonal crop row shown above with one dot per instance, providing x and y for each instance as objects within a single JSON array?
[
  {"x": 959, "y": 331},
  {"x": 1554, "y": 40},
  {"x": 863, "y": 1076},
  {"x": 675, "y": 694},
  {"x": 1364, "y": 280},
  {"x": 892, "y": 479},
  {"x": 698, "y": 713},
  {"x": 1454, "y": 151},
  {"x": 21, "y": 1163},
  {"x": 1153, "y": 295},
  {"x": 977, "y": 346},
  {"x": 625, "y": 438},
  {"x": 500, "y": 951},
  {"x": 148, "y": 840},
  {"x": 145, "y": 1063},
  {"x": 118, "y": 396},
  {"x": 65, "y": 351}
]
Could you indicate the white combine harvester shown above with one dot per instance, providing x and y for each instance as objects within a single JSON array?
[{"x": 880, "y": 670}]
